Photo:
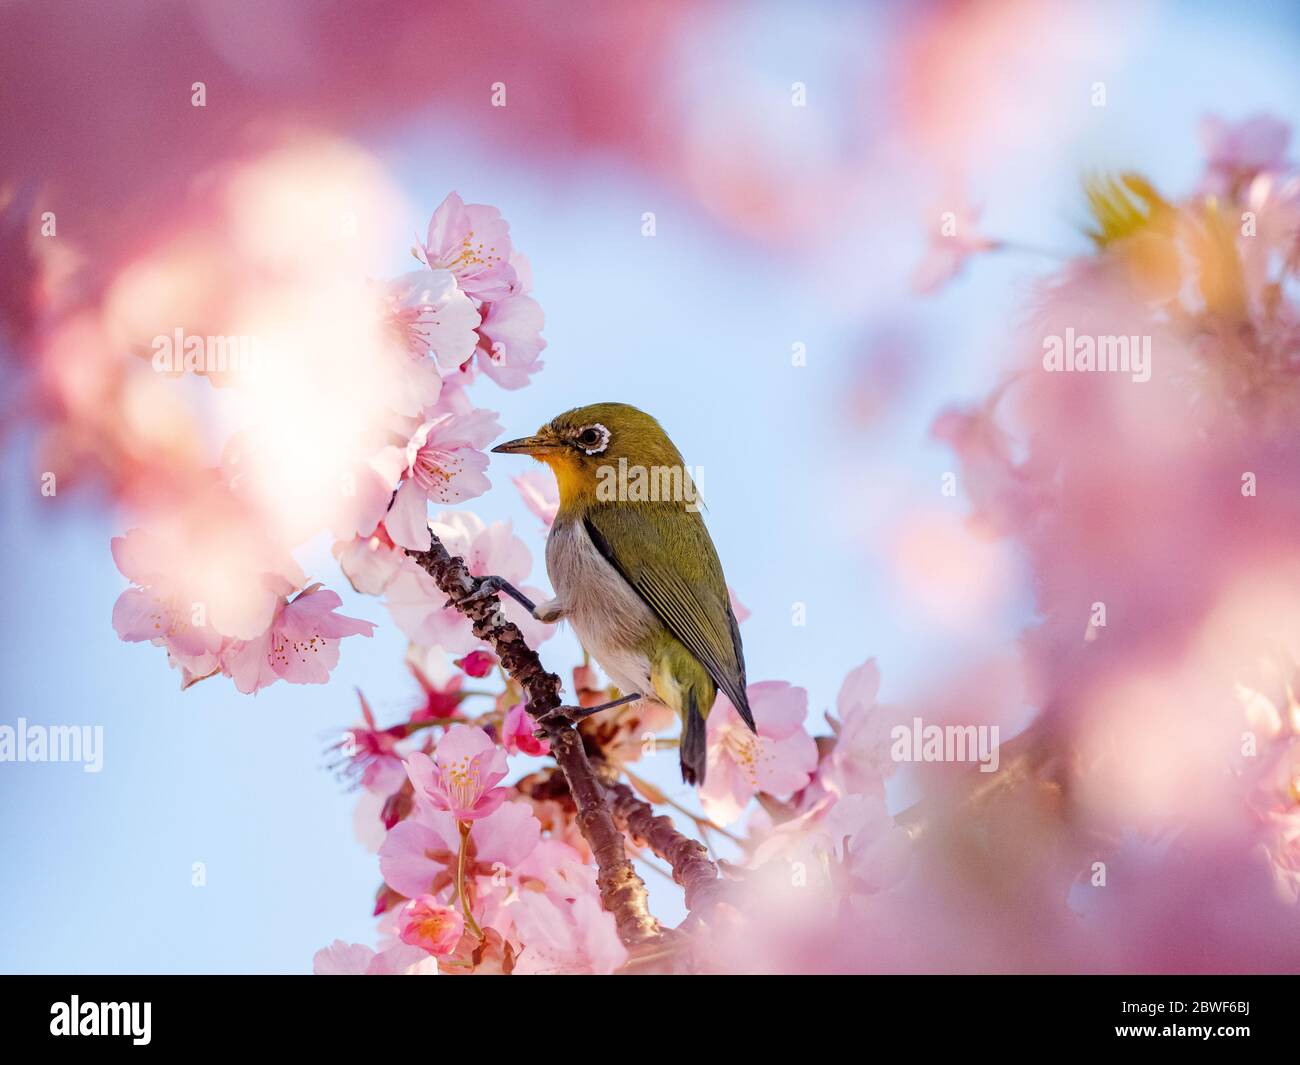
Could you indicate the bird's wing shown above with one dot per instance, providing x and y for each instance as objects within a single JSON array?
[{"x": 696, "y": 611}]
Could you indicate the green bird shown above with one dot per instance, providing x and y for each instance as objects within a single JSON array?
[{"x": 634, "y": 570}]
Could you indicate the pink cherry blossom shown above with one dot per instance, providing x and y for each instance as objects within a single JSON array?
[
  {"x": 1237, "y": 151},
  {"x": 439, "y": 702},
  {"x": 426, "y": 923},
  {"x": 462, "y": 775},
  {"x": 170, "y": 610},
  {"x": 371, "y": 753},
  {"x": 477, "y": 663},
  {"x": 420, "y": 609},
  {"x": 433, "y": 317},
  {"x": 953, "y": 238},
  {"x": 301, "y": 646},
  {"x": 212, "y": 556},
  {"x": 370, "y": 490},
  {"x": 738, "y": 608},
  {"x": 472, "y": 241},
  {"x": 444, "y": 463},
  {"x": 861, "y": 761},
  {"x": 856, "y": 831},
  {"x": 370, "y": 562},
  {"x": 517, "y": 733},
  {"x": 1005, "y": 495},
  {"x": 575, "y": 937},
  {"x": 512, "y": 343},
  {"x": 419, "y": 855},
  {"x": 354, "y": 959},
  {"x": 540, "y": 494},
  {"x": 193, "y": 649},
  {"x": 875, "y": 850},
  {"x": 778, "y": 761},
  {"x": 560, "y": 870}
]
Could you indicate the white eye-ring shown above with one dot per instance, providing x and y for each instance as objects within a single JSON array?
[{"x": 593, "y": 439}]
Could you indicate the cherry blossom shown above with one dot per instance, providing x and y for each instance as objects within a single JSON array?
[
  {"x": 193, "y": 649},
  {"x": 368, "y": 492},
  {"x": 439, "y": 701},
  {"x": 540, "y": 494},
  {"x": 779, "y": 760},
  {"x": 444, "y": 463},
  {"x": 860, "y": 762},
  {"x": 477, "y": 663},
  {"x": 353, "y": 959},
  {"x": 370, "y": 562},
  {"x": 517, "y": 733},
  {"x": 426, "y": 923},
  {"x": 875, "y": 850},
  {"x": 567, "y": 937},
  {"x": 421, "y": 610},
  {"x": 953, "y": 228},
  {"x": 511, "y": 344},
  {"x": 472, "y": 241},
  {"x": 372, "y": 753},
  {"x": 432, "y": 316},
  {"x": 301, "y": 646},
  {"x": 461, "y": 777},
  {"x": 419, "y": 855},
  {"x": 1237, "y": 151}
]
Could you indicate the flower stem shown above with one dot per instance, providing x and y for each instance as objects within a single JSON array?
[{"x": 470, "y": 923}]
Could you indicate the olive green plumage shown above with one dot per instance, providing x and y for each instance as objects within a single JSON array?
[{"x": 657, "y": 616}]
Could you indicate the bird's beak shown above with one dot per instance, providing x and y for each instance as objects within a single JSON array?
[{"x": 527, "y": 445}]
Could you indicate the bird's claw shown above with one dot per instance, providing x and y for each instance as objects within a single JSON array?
[
  {"x": 571, "y": 715},
  {"x": 487, "y": 587},
  {"x": 560, "y": 716},
  {"x": 484, "y": 588}
]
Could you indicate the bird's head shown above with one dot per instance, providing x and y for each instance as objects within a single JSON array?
[{"x": 583, "y": 445}]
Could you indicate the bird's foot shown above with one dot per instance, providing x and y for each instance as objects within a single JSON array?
[
  {"x": 571, "y": 715},
  {"x": 486, "y": 587}
]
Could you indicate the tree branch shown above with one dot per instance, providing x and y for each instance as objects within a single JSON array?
[
  {"x": 622, "y": 891},
  {"x": 688, "y": 857}
]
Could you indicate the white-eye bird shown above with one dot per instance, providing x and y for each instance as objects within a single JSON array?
[{"x": 638, "y": 579}]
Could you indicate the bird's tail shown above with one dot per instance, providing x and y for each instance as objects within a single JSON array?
[{"x": 693, "y": 748}]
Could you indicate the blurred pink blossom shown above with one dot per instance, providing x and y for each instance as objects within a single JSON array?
[
  {"x": 540, "y": 494},
  {"x": 953, "y": 232},
  {"x": 353, "y": 959},
  {"x": 1236, "y": 151},
  {"x": 517, "y": 733}
]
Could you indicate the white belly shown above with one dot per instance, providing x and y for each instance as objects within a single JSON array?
[{"x": 608, "y": 617}]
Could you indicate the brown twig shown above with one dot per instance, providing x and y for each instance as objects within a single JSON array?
[
  {"x": 688, "y": 857},
  {"x": 622, "y": 891}
]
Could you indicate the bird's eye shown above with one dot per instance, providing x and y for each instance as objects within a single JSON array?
[{"x": 593, "y": 439}]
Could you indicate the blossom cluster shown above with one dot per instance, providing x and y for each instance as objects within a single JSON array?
[
  {"x": 214, "y": 582},
  {"x": 1157, "y": 519},
  {"x": 484, "y": 874}
]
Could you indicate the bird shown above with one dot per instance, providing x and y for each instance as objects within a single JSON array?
[{"x": 634, "y": 570}]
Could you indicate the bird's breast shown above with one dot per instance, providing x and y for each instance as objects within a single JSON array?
[{"x": 608, "y": 616}]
